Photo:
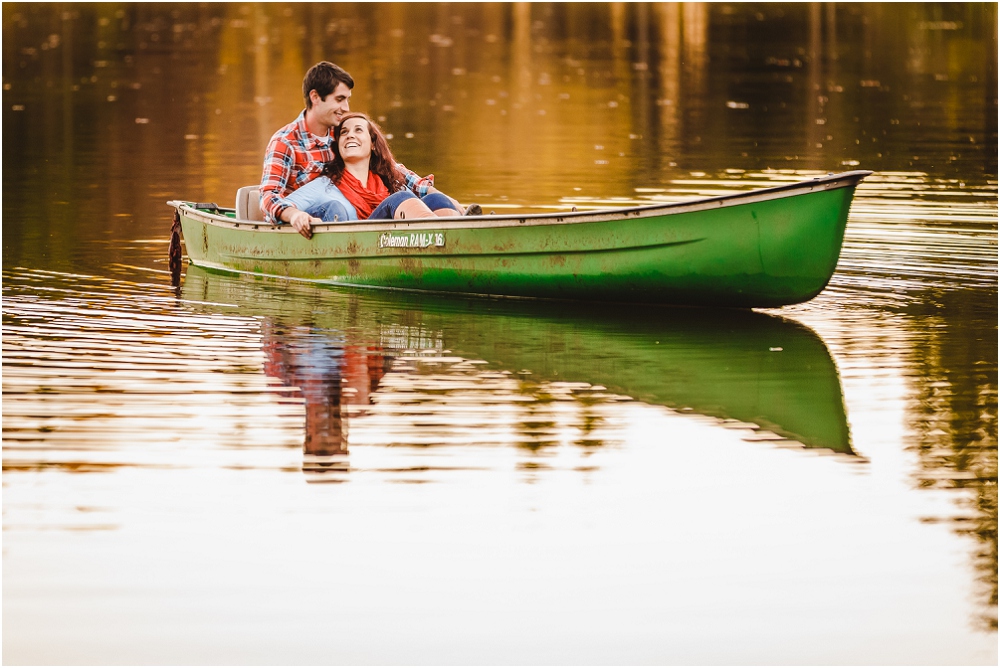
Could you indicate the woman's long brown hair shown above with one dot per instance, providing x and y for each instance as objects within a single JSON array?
[{"x": 382, "y": 162}]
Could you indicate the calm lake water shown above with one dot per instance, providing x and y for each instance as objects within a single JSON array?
[{"x": 261, "y": 471}]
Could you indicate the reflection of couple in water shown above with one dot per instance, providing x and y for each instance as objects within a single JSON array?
[
  {"x": 333, "y": 165},
  {"x": 330, "y": 374}
]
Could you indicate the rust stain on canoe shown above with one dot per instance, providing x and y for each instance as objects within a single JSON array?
[
  {"x": 410, "y": 266},
  {"x": 249, "y": 251}
]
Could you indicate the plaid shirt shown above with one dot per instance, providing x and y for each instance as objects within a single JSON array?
[{"x": 295, "y": 157}]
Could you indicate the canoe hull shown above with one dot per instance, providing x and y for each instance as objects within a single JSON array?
[{"x": 763, "y": 249}]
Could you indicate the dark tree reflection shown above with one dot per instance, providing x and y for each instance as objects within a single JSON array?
[{"x": 955, "y": 417}]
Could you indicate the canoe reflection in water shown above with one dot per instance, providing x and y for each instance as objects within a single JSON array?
[
  {"x": 329, "y": 374},
  {"x": 338, "y": 346}
]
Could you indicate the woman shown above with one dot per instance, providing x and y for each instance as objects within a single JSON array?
[
  {"x": 364, "y": 170},
  {"x": 362, "y": 182}
]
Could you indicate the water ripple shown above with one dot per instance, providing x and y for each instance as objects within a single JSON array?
[{"x": 123, "y": 373}]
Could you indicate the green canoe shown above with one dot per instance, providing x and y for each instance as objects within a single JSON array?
[
  {"x": 764, "y": 248},
  {"x": 727, "y": 364}
]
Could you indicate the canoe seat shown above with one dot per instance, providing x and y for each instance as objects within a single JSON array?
[{"x": 248, "y": 204}]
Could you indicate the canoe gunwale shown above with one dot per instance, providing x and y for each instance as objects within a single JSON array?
[{"x": 819, "y": 183}]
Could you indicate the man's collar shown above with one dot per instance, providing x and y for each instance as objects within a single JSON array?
[{"x": 304, "y": 131}]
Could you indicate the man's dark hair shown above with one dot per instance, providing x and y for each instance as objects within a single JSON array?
[{"x": 323, "y": 77}]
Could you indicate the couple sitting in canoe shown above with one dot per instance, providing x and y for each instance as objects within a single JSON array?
[{"x": 333, "y": 165}]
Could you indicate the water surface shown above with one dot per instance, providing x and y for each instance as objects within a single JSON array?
[{"x": 240, "y": 470}]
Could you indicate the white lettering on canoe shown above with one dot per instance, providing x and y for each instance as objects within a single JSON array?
[{"x": 412, "y": 240}]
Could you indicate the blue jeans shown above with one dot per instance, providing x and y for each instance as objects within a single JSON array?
[
  {"x": 322, "y": 199},
  {"x": 435, "y": 201},
  {"x": 329, "y": 212},
  {"x": 387, "y": 209}
]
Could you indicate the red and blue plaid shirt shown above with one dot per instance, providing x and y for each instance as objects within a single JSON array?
[{"x": 295, "y": 157}]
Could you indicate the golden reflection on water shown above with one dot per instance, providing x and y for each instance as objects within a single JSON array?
[
  {"x": 600, "y": 99},
  {"x": 505, "y": 450},
  {"x": 934, "y": 350}
]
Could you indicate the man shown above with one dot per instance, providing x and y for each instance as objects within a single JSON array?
[{"x": 297, "y": 152}]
